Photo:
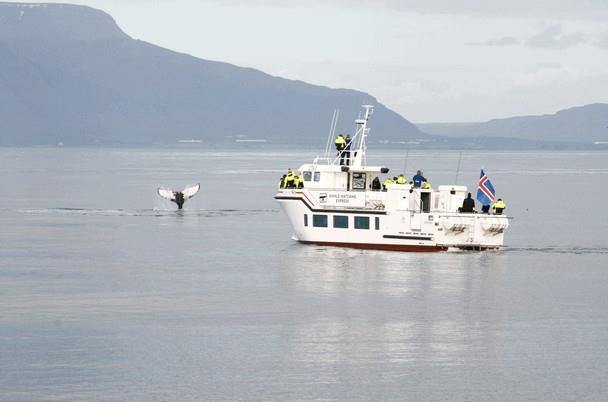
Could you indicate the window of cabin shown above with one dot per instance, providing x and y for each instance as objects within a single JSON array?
[
  {"x": 305, "y": 219},
  {"x": 377, "y": 219},
  {"x": 317, "y": 176},
  {"x": 359, "y": 181},
  {"x": 319, "y": 221},
  {"x": 361, "y": 222},
  {"x": 307, "y": 176},
  {"x": 341, "y": 221}
]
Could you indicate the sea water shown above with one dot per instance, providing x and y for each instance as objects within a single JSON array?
[{"x": 108, "y": 293}]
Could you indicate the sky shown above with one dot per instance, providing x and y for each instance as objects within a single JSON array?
[{"x": 430, "y": 61}]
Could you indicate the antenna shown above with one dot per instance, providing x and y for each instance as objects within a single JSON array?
[
  {"x": 362, "y": 131},
  {"x": 458, "y": 168},
  {"x": 332, "y": 131},
  {"x": 407, "y": 154}
]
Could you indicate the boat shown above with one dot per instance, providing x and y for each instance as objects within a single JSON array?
[{"x": 336, "y": 206}]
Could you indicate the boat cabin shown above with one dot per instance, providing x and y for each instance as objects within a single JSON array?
[
  {"x": 340, "y": 177},
  {"x": 401, "y": 197}
]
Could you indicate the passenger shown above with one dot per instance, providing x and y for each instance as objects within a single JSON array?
[
  {"x": 301, "y": 184},
  {"x": 296, "y": 181},
  {"x": 499, "y": 206},
  {"x": 376, "y": 185},
  {"x": 485, "y": 209},
  {"x": 387, "y": 182},
  {"x": 468, "y": 205},
  {"x": 347, "y": 150},
  {"x": 401, "y": 179},
  {"x": 289, "y": 179},
  {"x": 340, "y": 145},
  {"x": 426, "y": 185},
  {"x": 282, "y": 181},
  {"x": 418, "y": 179}
]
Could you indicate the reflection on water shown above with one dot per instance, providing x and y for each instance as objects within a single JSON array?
[
  {"x": 332, "y": 270},
  {"x": 400, "y": 308}
]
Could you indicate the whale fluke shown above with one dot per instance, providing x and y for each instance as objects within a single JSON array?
[{"x": 179, "y": 197}]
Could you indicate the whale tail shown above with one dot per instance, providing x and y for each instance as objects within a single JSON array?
[{"x": 179, "y": 197}]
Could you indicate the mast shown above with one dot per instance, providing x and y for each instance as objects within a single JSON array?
[{"x": 362, "y": 131}]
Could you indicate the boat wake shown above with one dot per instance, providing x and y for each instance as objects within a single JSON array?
[
  {"x": 206, "y": 213},
  {"x": 559, "y": 250}
]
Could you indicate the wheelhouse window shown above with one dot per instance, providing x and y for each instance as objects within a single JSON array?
[
  {"x": 307, "y": 176},
  {"x": 319, "y": 221},
  {"x": 341, "y": 221},
  {"x": 317, "y": 176},
  {"x": 361, "y": 222},
  {"x": 359, "y": 181}
]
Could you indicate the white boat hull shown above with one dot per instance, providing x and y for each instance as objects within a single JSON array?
[{"x": 398, "y": 230}]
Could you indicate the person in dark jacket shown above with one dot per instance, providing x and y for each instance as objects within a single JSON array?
[
  {"x": 418, "y": 179},
  {"x": 468, "y": 205},
  {"x": 376, "y": 185}
]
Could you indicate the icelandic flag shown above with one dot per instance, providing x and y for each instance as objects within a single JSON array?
[{"x": 485, "y": 190}]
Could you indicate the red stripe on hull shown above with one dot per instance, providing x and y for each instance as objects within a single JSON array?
[{"x": 387, "y": 247}]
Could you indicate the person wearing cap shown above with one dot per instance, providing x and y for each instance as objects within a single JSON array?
[{"x": 418, "y": 179}]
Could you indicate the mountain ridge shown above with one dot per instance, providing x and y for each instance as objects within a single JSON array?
[
  {"x": 577, "y": 124},
  {"x": 69, "y": 74}
]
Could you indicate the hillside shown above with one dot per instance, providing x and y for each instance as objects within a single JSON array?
[
  {"x": 69, "y": 74},
  {"x": 584, "y": 124}
]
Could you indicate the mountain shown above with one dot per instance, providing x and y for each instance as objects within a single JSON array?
[
  {"x": 578, "y": 125},
  {"x": 69, "y": 74}
]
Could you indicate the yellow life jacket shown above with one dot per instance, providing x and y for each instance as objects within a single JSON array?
[
  {"x": 289, "y": 178},
  {"x": 401, "y": 179},
  {"x": 499, "y": 204}
]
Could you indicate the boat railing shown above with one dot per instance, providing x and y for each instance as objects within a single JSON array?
[
  {"x": 469, "y": 215},
  {"x": 318, "y": 159}
]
